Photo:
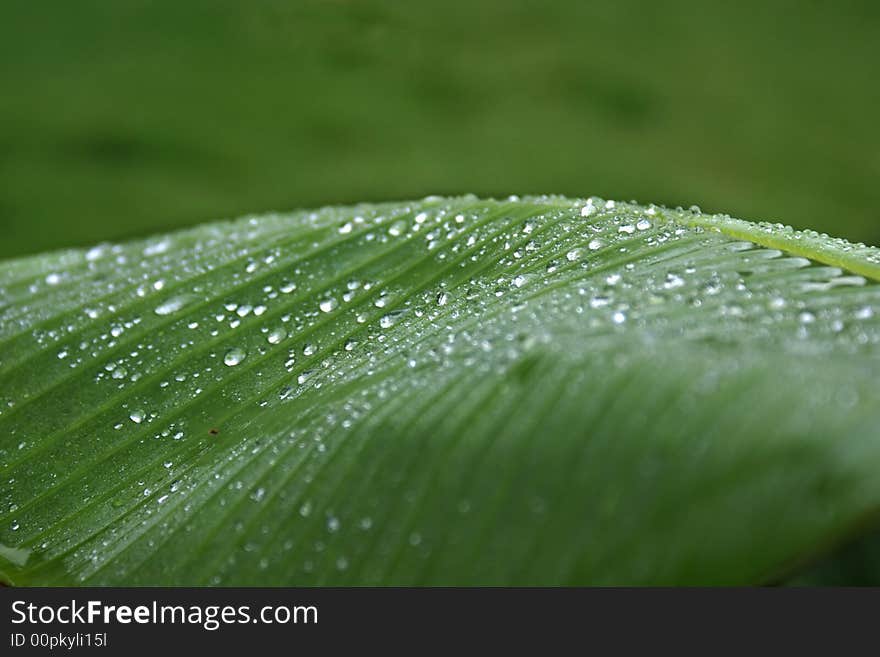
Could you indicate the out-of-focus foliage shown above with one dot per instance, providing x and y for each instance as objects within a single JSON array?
[{"x": 120, "y": 119}]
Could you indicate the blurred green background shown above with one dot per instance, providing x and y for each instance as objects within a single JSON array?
[{"x": 129, "y": 117}]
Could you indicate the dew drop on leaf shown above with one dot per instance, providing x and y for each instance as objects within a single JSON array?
[
  {"x": 234, "y": 356},
  {"x": 276, "y": 335},
  {"x": 173, "y": 304},
  {"x": 389, "y": 320}
]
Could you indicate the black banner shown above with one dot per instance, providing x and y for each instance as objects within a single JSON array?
[{"x": 113, "y": 620}]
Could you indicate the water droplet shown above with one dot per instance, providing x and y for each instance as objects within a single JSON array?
[
  {"x": 173, "y": 304},
  {"x": 588, "y": 209},
  {"x": 333, "y": 524},
  {"x": 389, "y": 320},
  {"x": 328, "y": 305},
  {"x": 276, "y": 335},
  {"x": 618, "y": 317},
  {"x": 865, "y": 313},
  {"x": 156, "y": 248},
  {"x": 304, "y": 376},
  {"x": 345, "y": 228},
  {"x": 137, "y": 416},
  {"x": 643, "y": 224},
  {"x": 53, "y": 279},
  {"x": 519, "y": 281},
  {"x": 287, "y": 287},
  {"x": 595, "y": 245},
  {"x": 628, "y": 229},
  {"x": 308, "y": 349},
  {"x": 442, "y": 299},
  {"x": 234, "y": 356},
  {"x": 573, "y": 255},
  {"x": 673, "y": 281},
  {"x": 94, "y": 253}
]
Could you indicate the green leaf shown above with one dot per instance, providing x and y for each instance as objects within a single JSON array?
[{"x": 449, "y": 391}]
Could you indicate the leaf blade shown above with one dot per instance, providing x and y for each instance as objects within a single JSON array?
[{"x": 459, "y": 333}]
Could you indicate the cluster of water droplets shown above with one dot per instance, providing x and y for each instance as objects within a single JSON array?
[{"x": 195, "y": 343}]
